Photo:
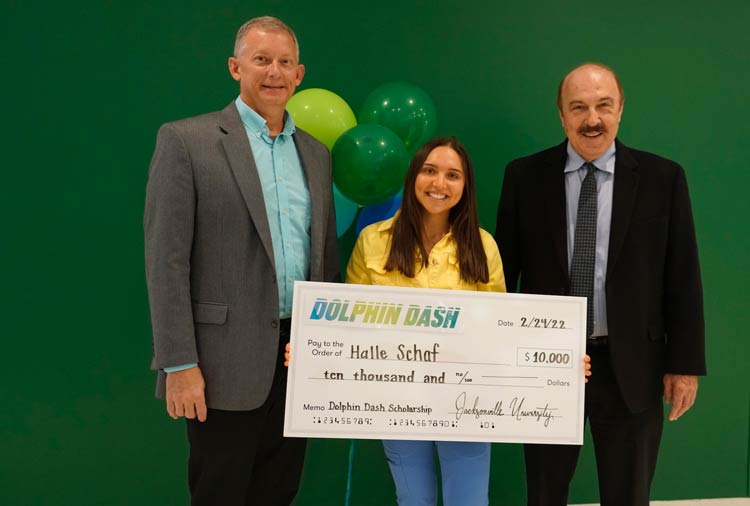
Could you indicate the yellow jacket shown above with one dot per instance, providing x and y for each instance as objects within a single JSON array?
[{"x": 367, "y": 263}]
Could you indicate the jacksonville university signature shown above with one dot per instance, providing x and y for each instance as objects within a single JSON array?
[{"x": 515, "y": 407}]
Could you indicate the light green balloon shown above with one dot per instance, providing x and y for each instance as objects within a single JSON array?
[{"x": 322, "y": 114}]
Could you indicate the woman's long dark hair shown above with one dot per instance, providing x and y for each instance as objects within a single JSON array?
[{"x": 406, "y": 238}]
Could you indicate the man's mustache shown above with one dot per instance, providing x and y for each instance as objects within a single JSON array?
[{"x": 596, "y": 129}]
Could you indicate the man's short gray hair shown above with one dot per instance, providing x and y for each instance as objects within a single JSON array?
[{"x": 265, "y": 23}]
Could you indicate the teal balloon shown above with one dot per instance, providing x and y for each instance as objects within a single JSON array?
[
  {"x": 322, "y": 114},
  {"x": 346, "y": 210},
  {"x": 404, "y": 108},
  {"x": 369, "y": 164}
]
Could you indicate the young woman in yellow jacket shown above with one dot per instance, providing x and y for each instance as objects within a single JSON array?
[{"x": 434, "y": 242}]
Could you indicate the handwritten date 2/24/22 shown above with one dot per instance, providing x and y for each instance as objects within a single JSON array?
[
  {"x": 534, "y": 322},
  {"x": 542, "y": 323}
]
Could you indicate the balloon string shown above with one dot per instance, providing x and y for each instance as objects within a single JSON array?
[{"x": 349, "y": 478}]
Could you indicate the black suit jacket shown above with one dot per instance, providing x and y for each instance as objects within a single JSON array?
[{"x": 653, "y": 286}]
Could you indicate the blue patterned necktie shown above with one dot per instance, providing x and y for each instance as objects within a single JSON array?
[{"x": 584, "y": 246}]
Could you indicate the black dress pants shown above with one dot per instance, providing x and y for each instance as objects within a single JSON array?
[
  {"x": 625, "y": 444},
  {"x": 240, "y": 458}
]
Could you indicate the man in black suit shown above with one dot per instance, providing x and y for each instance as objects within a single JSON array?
[{"x": 645, "y": 329}]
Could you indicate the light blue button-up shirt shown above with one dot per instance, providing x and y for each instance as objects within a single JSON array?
[
  {"x": 286, "y": 197},
  {"x": 605, "y": 177}
]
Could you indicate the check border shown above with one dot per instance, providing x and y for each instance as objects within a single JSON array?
[{"x": 327, "y": 395}]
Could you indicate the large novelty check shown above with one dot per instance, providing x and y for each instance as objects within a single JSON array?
[{"x": 405, "y": 363}]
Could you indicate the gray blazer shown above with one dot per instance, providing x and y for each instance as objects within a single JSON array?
[{"x": 209, "y": 260}]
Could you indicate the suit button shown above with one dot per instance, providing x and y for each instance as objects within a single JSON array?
[
  {"x": 274, "y": 323},
  {"x": 273, "y": 279}
]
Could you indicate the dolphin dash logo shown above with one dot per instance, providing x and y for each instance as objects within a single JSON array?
[{"x": 385, "y": 313}]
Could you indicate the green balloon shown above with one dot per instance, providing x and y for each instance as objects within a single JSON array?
[
  {"x": 369, "y": 164},
  {"x": 404, "y": 108},
  {"x": 322, "y": 114}
]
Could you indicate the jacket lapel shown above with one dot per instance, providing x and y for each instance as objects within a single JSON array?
[
  {"x": 623, "y": 200},
  {"x": 553, "y": 185},
  {"x": 241, "y": 161},
  {"x": 313, "y": 169}
]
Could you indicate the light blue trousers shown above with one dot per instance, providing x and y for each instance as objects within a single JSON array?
[{"x": 464, "y": 467}]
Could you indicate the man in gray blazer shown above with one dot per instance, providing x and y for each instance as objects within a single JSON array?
[{"x": 238, "y": 207}]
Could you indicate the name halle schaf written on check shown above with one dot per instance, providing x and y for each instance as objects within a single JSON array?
[{"x": 384, "y": 314}]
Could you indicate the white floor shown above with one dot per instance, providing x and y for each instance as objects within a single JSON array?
[{"x": 738, "y": 501}]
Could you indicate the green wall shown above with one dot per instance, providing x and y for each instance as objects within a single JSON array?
[{"x": 86, "y": 86}]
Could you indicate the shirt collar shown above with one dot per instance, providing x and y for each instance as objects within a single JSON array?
[
  {"x": 386, "y": 225},
  {"x": 606, "y": 162},
  {"x": 257, "y": 125}
]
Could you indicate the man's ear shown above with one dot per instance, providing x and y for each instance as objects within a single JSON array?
[{"x": 234, "y": 67}]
